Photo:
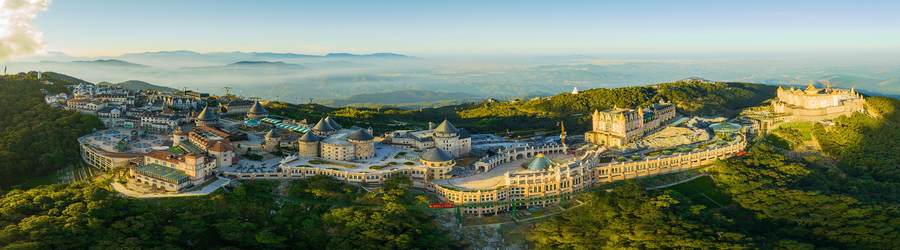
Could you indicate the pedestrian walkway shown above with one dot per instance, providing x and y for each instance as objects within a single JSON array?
[{"x": 221, "y": 182}]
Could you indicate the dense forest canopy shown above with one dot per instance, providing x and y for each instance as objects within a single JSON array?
[
  {"x": 777, "y": 204},
  {"x": 83, "y": 216},
  {"x": 36, "y": 139},
  {"x": 866, "y": 146},
  {"x": 691, "y": 97}
]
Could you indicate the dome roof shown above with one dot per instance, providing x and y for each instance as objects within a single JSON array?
[
  {"x": 436, "y": 155},
  {"x": 252, "y": 122},
  {"x": 725, "y": 127},
  {"x": 538, "y": 163},
  {"x": 360, "y": 135},
  {"x": 332, "y": 123},
  {"x": 446, "y": 128},
  {"x": 206, "y": 115},
  {"x": 257, "y": 109},
  {"x": 322, "y": 125},
  {"x": 271, "y": 134},
  {"x": 308, "y": 137}
]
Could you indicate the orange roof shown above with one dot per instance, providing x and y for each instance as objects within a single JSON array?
[
  {"x": 214, "y": 131},
  {"x": 163, "y": 155},
  {"x": 220, "y": 146}
]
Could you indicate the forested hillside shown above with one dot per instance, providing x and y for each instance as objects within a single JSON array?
[
  {"x": 485, "y": 117},
  {"x": 778, "y": 204},
  {"x": 86, "y": 216},
  {"x": 866, "y": 146},
  {"x": 36, "y": 139}
]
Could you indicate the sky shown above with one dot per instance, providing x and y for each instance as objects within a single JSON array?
[{"x": 436, "y": 28}]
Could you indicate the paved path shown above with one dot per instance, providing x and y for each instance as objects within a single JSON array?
[{"x": 204, "y": 191}]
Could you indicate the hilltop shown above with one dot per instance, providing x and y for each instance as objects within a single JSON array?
[
  {"x": 138, "y": 85},
  {"x": 397, "y": 97},
  {"x": 68, "y": 78},
  {"x": 691, "y": 98}
]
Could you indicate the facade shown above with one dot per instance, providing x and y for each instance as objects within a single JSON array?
[
  {"x": 105, "y": 159},
  {"x": 814, "y": 104},
  {"x": 618, "y": 127},
  {"x": 323, "y": 140},
  {"x": 122, "y": 98},
  {"x": 439, "y": 163},
  {"x": 173, "y": 171},
  {"x": 236, "y": 107},
  {"x": 110, "y": 116},
  {"x": 445, "y": 136},
  {"x": 170, "y": 100}
]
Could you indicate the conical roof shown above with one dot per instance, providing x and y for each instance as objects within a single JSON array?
[
  {"x": 446, "y": 128},
  {"x": 322, "y": 126},
  {"x": 206, "y": 115},
  {"x": 308, "y": 137},
  {"x": 436, "y": 155},
  {"x": 463, "y": 134},
  {"x": 538, "y": 163},
  {"x": 257, "y": 109},
  {"x": 332, "y": 123},
  {"x": 360, "y": 135},
  {"x": 811, "y": 88},
  {"x": 271, "y": 134}
]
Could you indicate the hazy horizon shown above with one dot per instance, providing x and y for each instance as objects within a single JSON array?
[{"x": 100, "y": 28}]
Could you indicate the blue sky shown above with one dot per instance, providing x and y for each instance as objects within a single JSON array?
[{"x": 423, "y": 28}]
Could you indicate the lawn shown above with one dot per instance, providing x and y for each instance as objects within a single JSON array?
[
  {"x": 177, "y": 149},
  {"x": 707, "y": 186},
  {"x": 777, "y": 141},
  {"x": 805, "y": 129}
]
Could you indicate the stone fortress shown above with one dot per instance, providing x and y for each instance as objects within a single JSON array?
[
  {"x": 445, "y": 136},
  {"x": 618, "y": 127},
  {"x": 814, "y": 104},
  {"x": 329, "y": 140}
]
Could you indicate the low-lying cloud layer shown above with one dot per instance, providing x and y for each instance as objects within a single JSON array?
[{"x": 18, "y": 36}]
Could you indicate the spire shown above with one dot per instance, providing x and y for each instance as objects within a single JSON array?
[
  {"x": 596, "y": 113},
  {"x": 780, "y": 88}
]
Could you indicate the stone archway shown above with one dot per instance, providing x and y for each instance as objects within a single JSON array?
[{"x": 519, "y": 156}]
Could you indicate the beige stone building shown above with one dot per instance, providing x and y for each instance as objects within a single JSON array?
[
  {"x": 173, "y": 171},
  {"x": 328, "y": 140},
  {"x": 439, "y": 163},
  {"x": 618, "y": 127},
  {"x": 814, "y": 104},
  {"x": 445, "y": 136}
]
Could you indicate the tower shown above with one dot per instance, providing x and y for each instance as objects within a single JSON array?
[
  {"x": 178, "y": 137},
  {"x": 308, "y": 146},
  {"x": 562, "y": 135},
  {"x": 273, "y": 141}
]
